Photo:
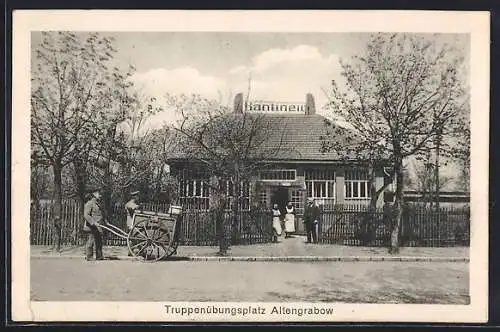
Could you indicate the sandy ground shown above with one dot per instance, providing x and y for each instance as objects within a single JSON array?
[{"x": 356, "y": 282}]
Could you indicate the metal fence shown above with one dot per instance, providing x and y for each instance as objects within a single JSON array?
[{"x": 420, "y": 227}]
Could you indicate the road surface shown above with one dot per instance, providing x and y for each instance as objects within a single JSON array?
[{"x": 350, "y": 282}]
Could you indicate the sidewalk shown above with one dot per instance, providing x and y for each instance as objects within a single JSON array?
[{"x": 293, "y": 249}]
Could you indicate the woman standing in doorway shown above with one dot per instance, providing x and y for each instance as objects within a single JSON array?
[
  {"x": 276, "y": 222},
  {"x": 289, "y": 220}
]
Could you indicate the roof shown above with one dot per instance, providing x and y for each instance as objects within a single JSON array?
[{"x": 299, "y": 138}]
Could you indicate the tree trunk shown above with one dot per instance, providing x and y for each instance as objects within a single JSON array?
[
  {"x": 81, "y": 190},
  {"x": 367, "y": 221},
  {"x": 436, "y": 175},
  {"x": 57, "y": 169},
  {"x": 369, "y": 226},
  {"x": 218, "y": 213},
  {"x": 373, "y": 188},
  {"x": 35, "y": 190},
  {"x": 236, "y": 208},
  {"x": 158, "y": 183},
  {"x": 107, "y": 205},
  {"x": 398, "y": 206},
  {"x": 108, "y": 189}
]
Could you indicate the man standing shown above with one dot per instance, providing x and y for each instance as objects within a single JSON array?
[
  {"x": 311, "y": 219},
  {"x": 93, "y": 218},
  {"x": 131, "y": 206}
]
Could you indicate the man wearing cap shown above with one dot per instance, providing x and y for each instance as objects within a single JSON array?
[
  {"x": 131, "y": 206},
  {"x": 93, "y": 218},
  {"x": 311, "y": 219}
]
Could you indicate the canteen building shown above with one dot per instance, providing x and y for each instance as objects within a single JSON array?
[{"x": 301, "y": 171}]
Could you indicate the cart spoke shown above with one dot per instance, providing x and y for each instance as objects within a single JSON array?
[
  {"x": 163, "y": 243},
  {"x": 141, "y": 233},
  {"x": 137, "y": 239},
  {"x": 158, "y": 236},
  {"x": 143, "y": 247},
  {"x": 164, "y": 235},
  {"x": 159, "y": 247},
  {"x": 146, "y": 231},
  {"x": 138, "y": 244},
  {"x": 152, "y": 233}
]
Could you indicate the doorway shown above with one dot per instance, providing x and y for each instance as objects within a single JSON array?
[{"x": 280, "y": 196}]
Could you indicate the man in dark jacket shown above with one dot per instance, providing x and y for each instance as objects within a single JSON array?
[
  {"x": 93, "y": 218},
  {"x": 311, "y": 219}
]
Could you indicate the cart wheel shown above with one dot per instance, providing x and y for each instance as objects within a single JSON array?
[{"x": 148, "y": 240}]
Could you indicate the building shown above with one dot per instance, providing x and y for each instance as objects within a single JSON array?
[
  {"x": 447, "y": 199},
  {"x": 299, "y": 171}
]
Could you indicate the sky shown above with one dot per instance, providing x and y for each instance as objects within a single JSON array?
[{"x": 280, "y": 67}]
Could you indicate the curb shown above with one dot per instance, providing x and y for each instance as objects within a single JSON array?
[
  {"x": 82, "y": 258},
  {"x": 330, "y": 259},
  {"x": 280, "y": 259}
]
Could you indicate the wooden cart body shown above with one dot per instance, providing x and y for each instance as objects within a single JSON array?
[{"x": 153, "y": 236}]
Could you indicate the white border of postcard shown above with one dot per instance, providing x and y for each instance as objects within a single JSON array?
[{"x": 475, "y": 23}]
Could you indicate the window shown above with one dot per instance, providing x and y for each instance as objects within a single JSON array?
[
  {"x": 357, "y": 184},
  {"x": 263, "y": 197},
  {"x": 243, "y": 195},
  {"x": 297, "y": 199},
  {"x": 194, "y": 194},
  {"x": 320, "y": 185},
  {"x": 278, "y": 174},
  {"x": 194, "y": 190}
]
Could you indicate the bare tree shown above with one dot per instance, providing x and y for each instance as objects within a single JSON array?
[
  {"x": 73, "y": 84},
  {"x": 405, "y": 91},
  {"x": 158, "y": 149},
  {"x": 425, "y": 181},
  {"x": 231, "y": 147},
  {"x": 460, "y": 151}
]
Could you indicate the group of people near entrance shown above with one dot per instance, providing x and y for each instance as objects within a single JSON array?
[
  {"x": 310, "y": 219},
  {"x": 94, "y": 218}
]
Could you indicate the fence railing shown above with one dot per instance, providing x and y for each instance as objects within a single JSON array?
[
  {"x": 193, "y": 227},
  {"x": 347, "y": 225},
  {"x": 42, "y": 228},
  {"x": 420, "y": 227}
]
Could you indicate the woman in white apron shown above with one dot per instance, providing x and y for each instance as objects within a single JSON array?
[
  {"x": 289, "y": 220},
  {"x": 276, "y": 223}
]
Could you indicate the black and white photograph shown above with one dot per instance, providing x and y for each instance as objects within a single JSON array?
[{"x": 250, "y": 166}]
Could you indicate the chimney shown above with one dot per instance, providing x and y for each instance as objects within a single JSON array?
[
  {"x": 310, "y": 106},
  {"x": 238, "y": 103}
]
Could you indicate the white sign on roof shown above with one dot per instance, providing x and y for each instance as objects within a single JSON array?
[{"x": 274, "y": 107}]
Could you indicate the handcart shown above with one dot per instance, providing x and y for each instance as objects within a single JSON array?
[{"x": 153, "y": 236}]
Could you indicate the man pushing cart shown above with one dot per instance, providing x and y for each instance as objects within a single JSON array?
[{"x": 151, "y": 236}]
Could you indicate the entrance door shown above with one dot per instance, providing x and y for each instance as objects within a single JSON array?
[{"x": 280, "y": 196}]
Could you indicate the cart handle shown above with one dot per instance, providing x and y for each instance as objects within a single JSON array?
[{"x": 113, "y": 229}]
